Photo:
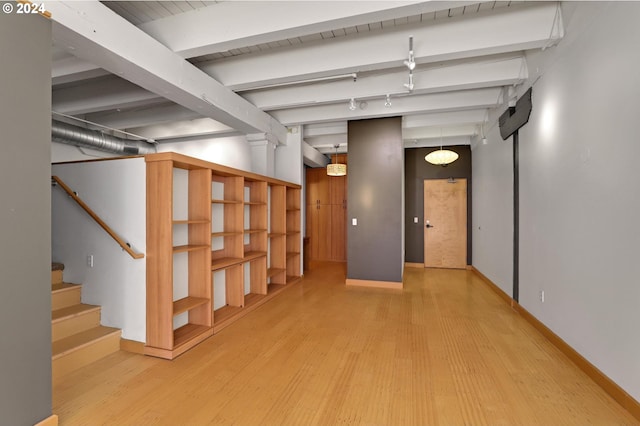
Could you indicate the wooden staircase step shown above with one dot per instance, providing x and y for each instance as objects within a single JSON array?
[
  {"x": 73, "y": 319},
  {"x": 56, "y": 272},
  {"x": 80, "y": 349},
  {"x": 64, "y": 295},
  {"x": 56, "y": 277}
]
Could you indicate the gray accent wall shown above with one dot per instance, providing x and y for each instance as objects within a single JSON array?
[
  {"x": 25, "y": 219},
  {"x": 416, "y": 171},
  {"x": 375, "y": 194}
]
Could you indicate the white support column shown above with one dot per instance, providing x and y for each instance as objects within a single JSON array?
[
  {"x": 263, "y": 153},
  {"x": 289, "y": 165}
]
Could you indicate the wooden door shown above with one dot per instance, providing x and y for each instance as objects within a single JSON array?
[
  {"x": 319, "y": 231},
  {"x": 338, "y": 194},
  {"x": 317, "y": 186},
  {"x": 338, "y": 232},
  {"x": 338, "y": 189},
  {"x": 445, "y": 219}
]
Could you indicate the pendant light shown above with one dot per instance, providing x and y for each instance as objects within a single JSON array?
[
  {"x": 441, "y": 157},
  {"x": 335, "y": 168}
]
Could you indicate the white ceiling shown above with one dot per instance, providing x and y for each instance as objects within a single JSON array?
[{"x": 173, "y": 70}]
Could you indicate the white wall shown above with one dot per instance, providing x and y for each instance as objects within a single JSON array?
[
  {"x": 116, "y": 191},
  {"x": 231, "y": 151},
  {"x": 492, "y": 206},
  {"x": 61, "y": 152},
  {"x": 579, "y": 203}
]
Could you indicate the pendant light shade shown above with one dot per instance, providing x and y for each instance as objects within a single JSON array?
[
  {"x": 335, "y": 168},
  {"x": 441, "y": 157}
]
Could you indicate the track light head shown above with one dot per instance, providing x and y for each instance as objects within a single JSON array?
[
  {"x": 387, "y": 102},
  {"x": 352, "y": 104},
  {"x": 411, "y": 63}
]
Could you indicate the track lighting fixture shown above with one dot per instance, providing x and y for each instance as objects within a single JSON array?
[
  {"x": 352, "y": 104},
  {"x": 411, "y": 62},
  {"x": 387, "y": 102},
  {"x": 409, "y": 85}
]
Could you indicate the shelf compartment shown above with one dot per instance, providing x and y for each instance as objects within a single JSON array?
[
  {"x": 292, "y": 233},
  {"x": 291, "y": 254},
  {"x": 254, "y": 231},
  {"x": 188, "y": 303},
  {"x": 225, "y": 313},
  {"x": 251, "y": 255},
  {"x": 225, "y": 262},
  {"x": 252, "y": 299},
  {"x": 276, "y": 234},
  {"x": 187, "y": 333},
  {"x": 216, "y": 201},
  {"x": 189, "y": 247},
  {"x": 273, "y": 289},
  {"x": 191, "y": 222},
  {"x": 255, "y": 203},
  {"x": 274, "y": 271},
  {"x": 225, "y": 234}
]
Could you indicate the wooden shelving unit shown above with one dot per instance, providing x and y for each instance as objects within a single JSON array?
[
  {"x": 294, "y": 235},
  {"x": 242, "y": 245},
  {"x": 163, "y": 339}
]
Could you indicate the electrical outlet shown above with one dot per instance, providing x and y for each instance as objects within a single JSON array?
[
  {"x": 542, "y": 296},
  {"x": 90, "y": 261}
]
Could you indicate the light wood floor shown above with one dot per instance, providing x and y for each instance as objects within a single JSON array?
[{"x": 445, "y": 351}]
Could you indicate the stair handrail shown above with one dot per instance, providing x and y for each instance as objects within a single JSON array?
[{"x": 125, "y": 246}]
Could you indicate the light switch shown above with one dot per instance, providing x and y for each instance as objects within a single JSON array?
[
  {"x": 354, "y": 221},
  {"x": 415, "y": 219}
]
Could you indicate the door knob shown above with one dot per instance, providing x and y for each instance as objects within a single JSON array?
[{"x": 428, "y": 225}]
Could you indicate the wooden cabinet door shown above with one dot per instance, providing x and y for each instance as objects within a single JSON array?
[
  {"x": 338, "y": 232},
  {"x": 338, "y": 189},
  {"x": 324, "y": 232},
  {"x": 317, "y": 186},
  {"x": 319, "y": 231}
]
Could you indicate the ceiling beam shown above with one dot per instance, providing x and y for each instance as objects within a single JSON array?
[
  {"x": 501, "y": 71},
  {"x": 509, "y": 29},
  {"x": 447, "y": 141},
  {"x": 444, "y": 118},
  {"x": 184, "y": 129},
  {"x": 99, "y": 36},
  {"x": 418, "y": 104},
  {"x": 156, "y": 114},
  {"x": 71, "y": 69},
  {"x": 440, "y": 132},
  {"x": 234, "y": 25},
  {"x": 101, "y": 95},
  {"x": 312, "y": 157},
  {"x": 313, "y": 130}
]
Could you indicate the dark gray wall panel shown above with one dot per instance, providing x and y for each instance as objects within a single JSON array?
[
  {"x": 25, "y": 219},
  {"x": 416, "y": 171},
  {"x": 374, "y": 246}
]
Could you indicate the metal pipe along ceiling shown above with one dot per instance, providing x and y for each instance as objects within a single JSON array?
[{"x": 78, "y": 136}]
